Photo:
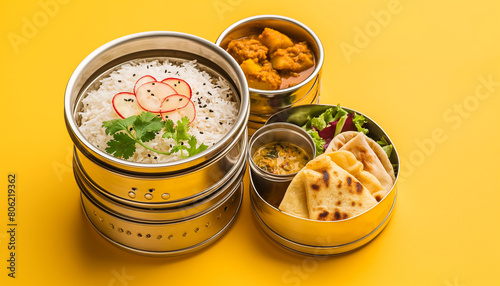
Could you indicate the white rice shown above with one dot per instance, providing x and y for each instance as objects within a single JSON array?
[{"x": 214, "y": 118}]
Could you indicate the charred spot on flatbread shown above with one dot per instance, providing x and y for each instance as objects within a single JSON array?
[
  {"x": 326, "y": 177},
  {"x": 323, "y": 215},
  {"x": 336, "y": 215},
  {"x": 359, "y": 188}
]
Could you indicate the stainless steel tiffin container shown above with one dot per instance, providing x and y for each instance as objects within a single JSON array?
[
  {"x": 159, "y": 209},
  {"x": 264, "y": 103}
]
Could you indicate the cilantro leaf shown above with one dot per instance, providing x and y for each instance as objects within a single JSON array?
[
  {"x": 147, "y": 125},
  {"x": 182, "y": 129},
  {"x": 192, "y": 150},
  {"x": 178, "y": 148},
  {"x": 169, "y": 129},
  {"x": 122, "y": 145},
  {"x": 116, "y": 125}
]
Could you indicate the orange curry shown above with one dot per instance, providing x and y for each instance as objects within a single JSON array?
[{"x": 272, "y": 60}]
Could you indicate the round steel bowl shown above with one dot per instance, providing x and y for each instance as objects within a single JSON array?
[
  {"x": 264, "y": 103},
  {"x": 131, "y": 181},
  {"x": 320, "y": 237},
  {"x": 159, "y": 209}
]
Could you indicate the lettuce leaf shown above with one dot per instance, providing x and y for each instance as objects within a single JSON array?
[
  {"x": 323, "y": 119},
  {"x": 385, "y": 146},
  {"x": 359, "y": 120},
  {"x": 330, "y": 123},
  {"x": 318, "y": 141}
]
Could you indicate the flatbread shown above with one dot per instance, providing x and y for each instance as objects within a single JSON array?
[
  {"x": 343, "y": 138},
  {"x": 369, "y": 155},
  {"x": 347, "y": 161},
  {"x": 295, "y": 202},
  {"x": 322, "y": 190},
  {"x": 332, "y": 193}
]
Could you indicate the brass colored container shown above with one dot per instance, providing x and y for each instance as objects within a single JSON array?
[
  {"x": 319, "y": 237},
  {"x": 264, "y": 103}
]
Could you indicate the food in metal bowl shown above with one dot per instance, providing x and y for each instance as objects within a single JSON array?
[
  {"x": 352, "y": 176},
  {"x": 272, "y": 60},
  {"x": 280, "y": 158},
  {"x": 158, "y": 110}
]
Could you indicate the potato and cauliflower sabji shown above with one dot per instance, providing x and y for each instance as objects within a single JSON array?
[{"x": 270, "y": 56}]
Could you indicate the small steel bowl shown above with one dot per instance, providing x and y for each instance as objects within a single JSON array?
[
  {"x": 313, "y": 237},
  {"x": 156, "y": 199},
  {"x": 274, "y": 185},
  {"x": 264, "y": 103}
]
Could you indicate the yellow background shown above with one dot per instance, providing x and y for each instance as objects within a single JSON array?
[{"x": 419, "y": 71}]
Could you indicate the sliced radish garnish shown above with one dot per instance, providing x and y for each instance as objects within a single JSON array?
[
  {"x": 173, "y": 102},
  {"x": 151, "y": 95},
  {"x": 143, "y": 80},
  {"x": 177, "y": 114},
  {"x": 125, "y": 104},
  {"x": 181, "y": 86}
]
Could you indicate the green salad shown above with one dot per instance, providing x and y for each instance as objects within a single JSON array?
[{"x": 334, "y": 120}]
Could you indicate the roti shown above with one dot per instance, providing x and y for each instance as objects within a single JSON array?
[{"x": 323, "y": 190}]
